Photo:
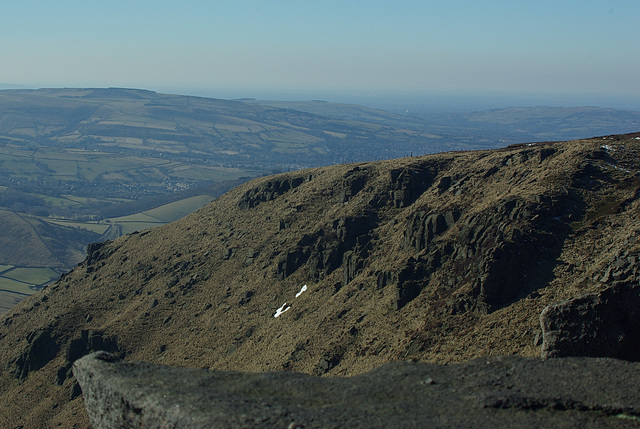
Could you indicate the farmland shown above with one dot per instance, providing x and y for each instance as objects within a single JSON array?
[
  {"x": 86, "y": 165},
  {"x": 19, "y": 275}
]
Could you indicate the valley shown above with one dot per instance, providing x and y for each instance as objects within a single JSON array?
[
  {"x": 297, "y": 214},
  {"x": 86, "y": 165}
]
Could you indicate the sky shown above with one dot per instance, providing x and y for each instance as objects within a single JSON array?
[{"x": 463, "y": 46}]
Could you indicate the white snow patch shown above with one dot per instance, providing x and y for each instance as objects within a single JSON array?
[
  {"x": 304, "y": 288},
  {"x": 637, "y": 138},
  {"x": 285, "y": 307},
  {"x": 281, "y": 310},
  {"x": 607, "y": 147}
]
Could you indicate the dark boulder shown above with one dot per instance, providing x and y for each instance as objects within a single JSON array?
[{"x": 603, "y": 324}]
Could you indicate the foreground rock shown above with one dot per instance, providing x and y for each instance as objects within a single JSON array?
[
  {"x": 603, "y": 324},
  {"x": 486, "y": 392}
]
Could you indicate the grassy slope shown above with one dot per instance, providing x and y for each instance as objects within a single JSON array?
[
  {"x": 34, "y": 258},
  {"x": 21, "y": 242},
  {"x": 35, "y": 251},
  {"x": 204, "y": 290}
]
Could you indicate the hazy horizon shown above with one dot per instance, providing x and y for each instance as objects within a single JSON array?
[
  {"x": 568, "y": 49},
  {"x": 403, "y": 102}
]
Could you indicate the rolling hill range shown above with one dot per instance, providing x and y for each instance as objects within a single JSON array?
[
  {"x": 496, "y": 127},
  {"x": 551, "y": 123},
  {"x": 336, "y": 270},
  {"x": 98, "y": 160},
  {"x": 215, "y": 134}
]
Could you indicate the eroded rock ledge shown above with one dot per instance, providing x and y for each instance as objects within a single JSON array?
[
  {"x": 486, "y": 392},
  {"x": 602, "y": 324}
]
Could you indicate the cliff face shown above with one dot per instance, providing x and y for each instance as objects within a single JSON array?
[{"x": 439, "y": 258}]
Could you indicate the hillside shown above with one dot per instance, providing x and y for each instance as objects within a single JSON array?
[
  {"x": 35, "y": 250},
  {"x": 98, "y": 159},
  {"x": 223, "y": 138},
  {"x": 80, "y": 160},
  {"x": 439, "y": 258},
  {"x": 29, "y": 241}
]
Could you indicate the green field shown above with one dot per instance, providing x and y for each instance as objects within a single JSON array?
[
  {"x": 179, "y": 209},
  {"x": 8, "y": 300},
  {"x": 94, "y": 226},
  {"x": 10, "y": 285},
  {"x": 16, "y": 283},
  {"x": 159, "y": 215},
  {"x": 34, "y": 276}
]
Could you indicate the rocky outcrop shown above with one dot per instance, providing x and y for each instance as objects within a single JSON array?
[
  {"x": 423, "y": 227},
  {"x": 89, "y": 341},
  {"x": 41, "y": 348},
  {"x": 505, "y": 251},
  {"x": 270, "y": 190},
  {"x": 353, "y": 182},
  {"x": 407, "y": 184},
  {"x": 511, "y": 249},
  {"x": 487, "y": 392},
  {"x": 96, "y": 252},
  {"x": 344, "y": 243},
  {"x": 625, "y": 267},
  {"x": 44, "y": 345},
  {"x": 603, "y": 324}
]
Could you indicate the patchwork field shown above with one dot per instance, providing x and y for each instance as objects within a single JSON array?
[{"x": 18, "y": 282}]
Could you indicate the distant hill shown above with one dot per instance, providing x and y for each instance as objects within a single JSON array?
[
  {"x": 492, "y": 128},
  {"x": 214, "y": 136},
  {"x": 11, "y": 86},
  {"x": 337, "y": 270},
  {"x": 29, "y": 241},
  {"x": 100, "y": 158},
  {"x": 211, "y": 133},
  {"x": 553, "y": 123}
]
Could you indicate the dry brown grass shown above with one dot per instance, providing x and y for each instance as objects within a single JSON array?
[{"x": 184, "y": 294}]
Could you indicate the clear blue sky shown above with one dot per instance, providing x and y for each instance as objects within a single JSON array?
[{"x": 568, "y": 46}]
